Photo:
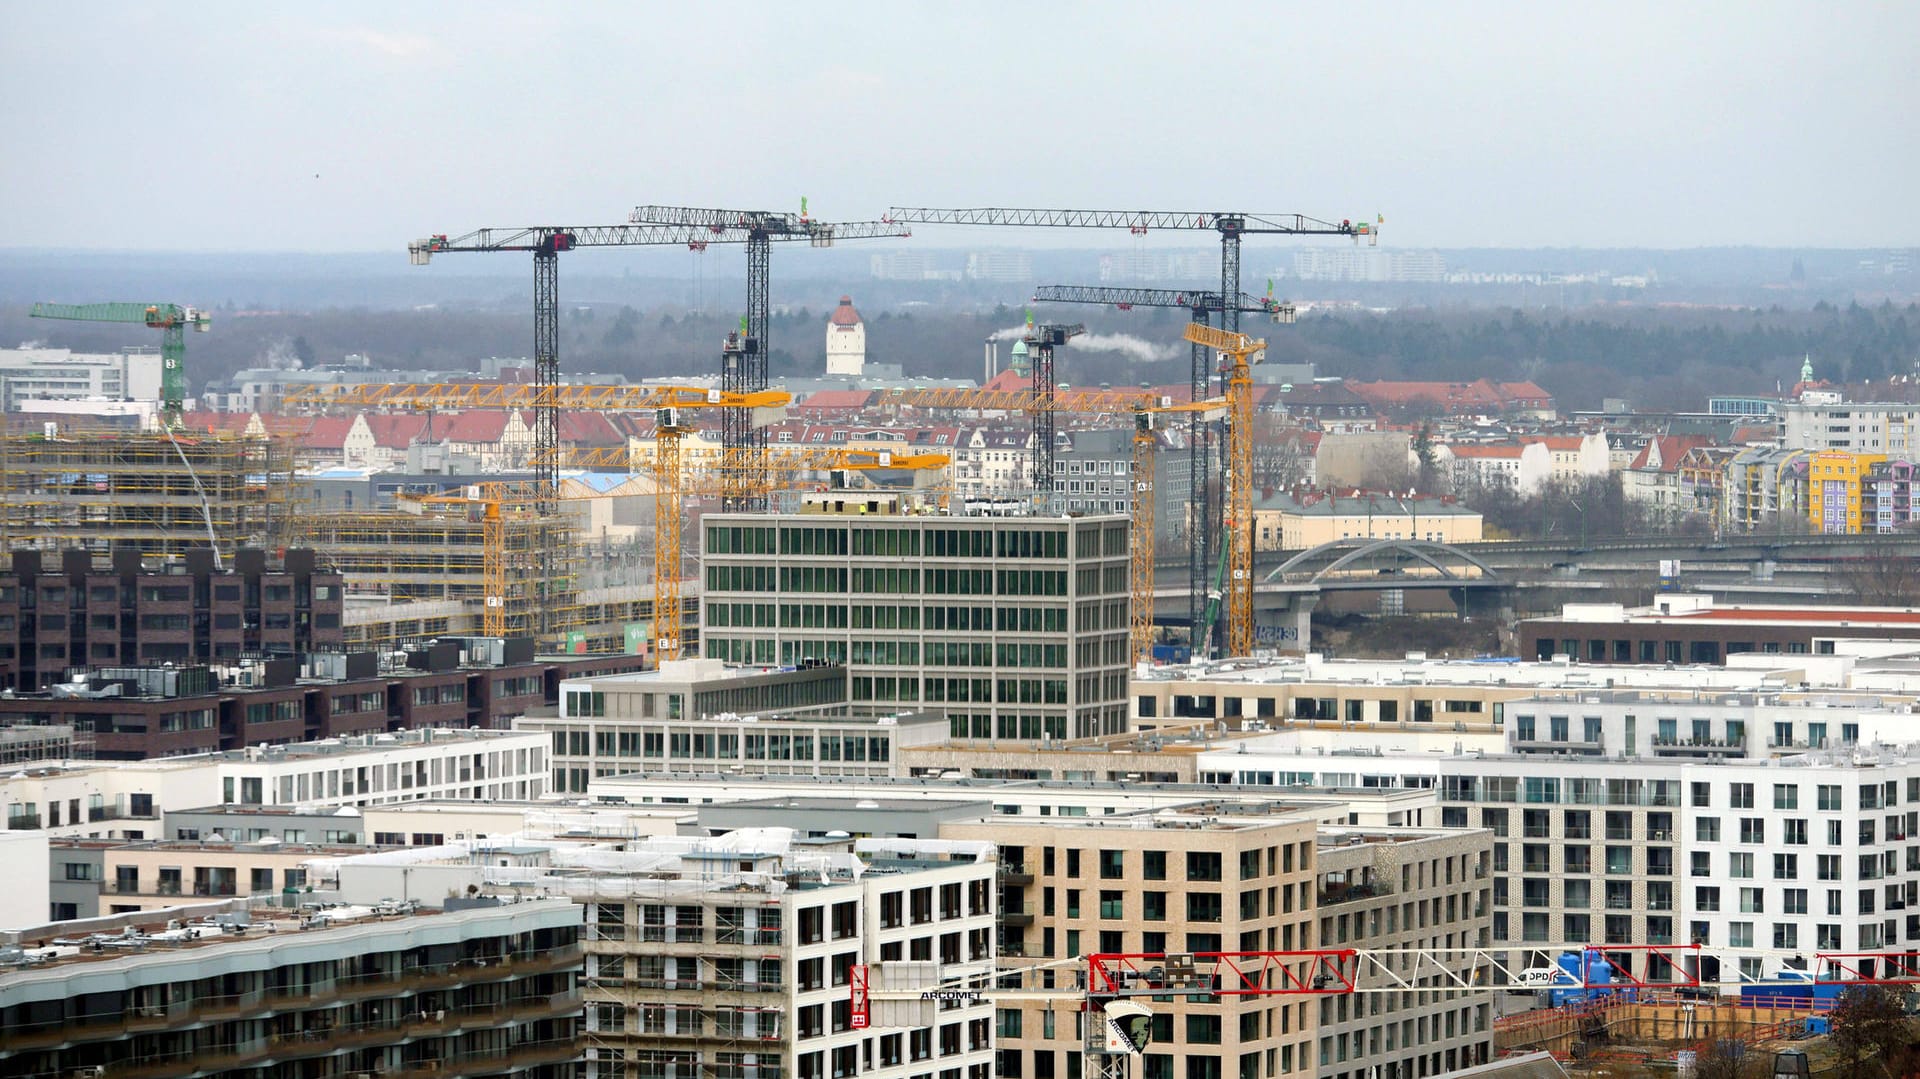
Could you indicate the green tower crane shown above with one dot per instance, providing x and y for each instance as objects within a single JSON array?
[{"x": 170, "y": 319}]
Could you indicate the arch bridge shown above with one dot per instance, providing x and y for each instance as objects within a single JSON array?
[{"x": 1361, "y": 562}]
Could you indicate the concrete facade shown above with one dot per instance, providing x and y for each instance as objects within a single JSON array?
[
  {"x": 1404, "y": 889},
  {"x": 1180, "y": 882}
]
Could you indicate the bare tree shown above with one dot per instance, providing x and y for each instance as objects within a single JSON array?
[
  {"x": 1883, "y": 580},
  {"x": 1729, "y": 1059}
]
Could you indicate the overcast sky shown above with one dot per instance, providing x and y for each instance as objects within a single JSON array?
[{"x": 353, "y": 127}]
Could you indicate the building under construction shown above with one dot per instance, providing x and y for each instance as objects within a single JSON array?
[
  {"x": 422, "y": 571},
  {"x": 156, "y": 493}
]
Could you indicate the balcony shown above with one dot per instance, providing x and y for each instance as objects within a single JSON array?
[
  {"x": 304, "y": 998},
  {"x": 1690, "y": 746},
  {"x": 1016, "y": 914},
  {"x": 23, "y": 822},
  {"x": 1015, "y": 873}
]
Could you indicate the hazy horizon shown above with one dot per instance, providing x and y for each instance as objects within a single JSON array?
[{"x": 354, "y": 127}]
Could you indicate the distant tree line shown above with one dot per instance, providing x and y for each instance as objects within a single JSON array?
[{"x": 1654, "y": 357}]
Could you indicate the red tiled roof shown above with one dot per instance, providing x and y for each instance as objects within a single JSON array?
[
  {"x": 1525, "y": 391},
  {"x": 837, "y": 399},
  {"x": 1672, "y": 449},
  {"x": 480, "y": 425},
  {"x": 327, "y": 432},
  {"x": 588, "y": 429},
  {"x": 845, "y": 315},
  {"x": 1556, "y": 443},
  {"x": 1009, "y": 380},
  {"x": 395, "y": 430}
]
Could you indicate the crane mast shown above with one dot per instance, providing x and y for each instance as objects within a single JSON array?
[
  {"x": 743, "y": 367},
  {"x": 1232, "y": 228},
  {"x": 1201, "y": 305},
  {"x": 1242, "y": 353}
]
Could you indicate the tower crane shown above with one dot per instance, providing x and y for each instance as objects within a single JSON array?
[
  {"x": 1232, "y": 227},
  {"x": 1241, "y": 352},
  {"x": 744, "y": 360},
  {"x": 1145, "y": 443},
  {"x": 594, "y": 398},
  {"x": 1041, "y": 341},
  {"x": 170, "y": 319},
  {"x": 1201, "y": 305},
  {"x": 546, "y": 242}
]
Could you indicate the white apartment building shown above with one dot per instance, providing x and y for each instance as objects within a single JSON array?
[
  {"x": 731, "y": 956},
  {"x": 126, "y": 799},
  {"x": 1854, "y": 426},
  {"x": 1666, "y": 850},
  {"x": 58, "y": 374},
  {"x": 380, "y": 768},
  {"x": 700, "y": 715}
]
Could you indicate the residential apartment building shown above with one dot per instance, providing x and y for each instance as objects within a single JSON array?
[
  {"x": 1225, "y": 877},
  {"x": 128, "y": 614},
  {"x": 137, "y": 713},
  {"x": 481, "y": 989},
  {"x": 700, "y": 716},
  {"x": 1852, "y": 426},
  {"x": 734, "y": 955},
  {"x": 1790, "y": 853},
  {"x": 94, "y": 877},
  {"x": 1013, "y": 628},
  {"x": 1766, "y": 489},
  {"x": 1407, "y": 889},
  {"x": 127, "y": 800}
]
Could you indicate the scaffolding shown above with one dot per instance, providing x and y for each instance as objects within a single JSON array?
[
  {"x": 157, "y": 493},
  {"x": 436, "y": 555}
]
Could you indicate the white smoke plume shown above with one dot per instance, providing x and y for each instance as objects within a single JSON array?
[
  {"x": 1137, "y": 349},
  {"x": 1011, "y": 333}
]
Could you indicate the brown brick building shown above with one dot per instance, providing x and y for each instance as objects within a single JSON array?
[{"x": 79, "y": 613}]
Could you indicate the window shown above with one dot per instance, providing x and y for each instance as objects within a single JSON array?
[
  {"x": 1707, "y": 829},
  {"x": 1740, "y": 865},
  {"x": 1153, "y": 864},
  {"x": 1113, "y": 865},
  {"x": 1786, "y": 866},
  {"x": 1203, "y": 906},
  {"x": 1753, "y": 830},
  {"x": 1786, "y": 796},
  {"x": 1829, "y": 797},
  {"x": 1740, "y": 795},
  {"x": 1203, "y": 865}
]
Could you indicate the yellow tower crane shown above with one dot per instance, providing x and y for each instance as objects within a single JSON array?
[
  {"x": 1145, "y": 442},
  {"x": 1240, "y": 353}
]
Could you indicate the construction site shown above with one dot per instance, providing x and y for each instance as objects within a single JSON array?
[
  {"x": 1628, "y": 1036},
  {"x": 163, "y": 493}
]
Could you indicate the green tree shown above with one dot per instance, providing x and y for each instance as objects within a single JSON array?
[{"x": 1870, "y": 1031}]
